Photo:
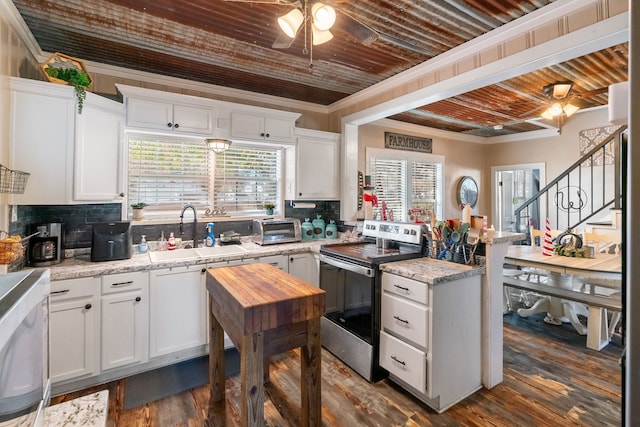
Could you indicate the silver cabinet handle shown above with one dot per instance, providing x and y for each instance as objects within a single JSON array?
[
  {"x": 401, "y": 288},
  {"x": 119, "y": 284},
  {"x": 64, "y": 291},
  {"x": 399, "y": 319},
  {"x": 395, "y": 359}
]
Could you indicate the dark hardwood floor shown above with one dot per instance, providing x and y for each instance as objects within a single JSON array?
[{"x": 550, "y": 379}]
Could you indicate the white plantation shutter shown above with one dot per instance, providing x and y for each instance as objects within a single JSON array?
[
  {"x": 426, "y": 178},
  {"x": 405, "y": 180},
  {"x": 246, "y": 177},
  {"x": 167, "y": 173},
  {"x": 389, "y": 178}
]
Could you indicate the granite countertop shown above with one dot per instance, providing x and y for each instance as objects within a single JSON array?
[
  {"x": 82, "y": 266},
  {"x": 86, "y": 411},
  {"x": 431, "y": 271}
]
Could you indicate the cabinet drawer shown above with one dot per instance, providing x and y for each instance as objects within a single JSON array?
[
  {"x": 405, "y": 319},
  {"x": 73, "y": 288},
  {"x": 404, "y": 361},
  {"x": 408, "y": 288},
  {"x": 124, "y": 282}
]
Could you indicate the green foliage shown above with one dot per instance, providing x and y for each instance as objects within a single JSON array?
[
  {"x": 139, "y": 205},
  {"x": 269, "y": 206},
  {"x": 79, "y": 79}
]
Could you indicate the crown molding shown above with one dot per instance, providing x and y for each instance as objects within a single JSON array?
[{"x": 9, "y": 12}]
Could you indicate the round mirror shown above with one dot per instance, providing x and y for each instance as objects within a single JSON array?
[{"x": 467, "y": 191}]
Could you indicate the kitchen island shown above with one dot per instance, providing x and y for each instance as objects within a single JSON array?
[
  {"x": 431, "y": 329},
  {"x": 266, "y": 312}
]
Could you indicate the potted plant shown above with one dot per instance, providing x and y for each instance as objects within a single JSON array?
[
  {"x": 138, "y": 210},
  {"x": 269, "y": 207},
  {"x": 64, "y": 69}
]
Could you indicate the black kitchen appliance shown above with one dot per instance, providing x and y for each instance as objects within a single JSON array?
[
  {"x": 47, "y": 246},
  {"x": 111, "y": 241},
  {"x": 350, "y": 275}
]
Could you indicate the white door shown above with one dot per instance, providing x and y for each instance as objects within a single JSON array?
[{"x": 512, "y": 186}]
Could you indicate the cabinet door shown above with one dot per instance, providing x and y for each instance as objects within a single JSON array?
[
  {"x": 124, "y": 319},
  {"x": 147, "y": 114},
  {"x": 74, "y": 329},
  {"x": 245, "y": 125},
  {"x": 305, "y": 267},
  {"x": 178, "y": 309},
  {"x": 99, "y": 151},
  {"x": 317, "y": 169},
  {"x": 279, "y": 129},
  {"x": 41, "y": 141},
  {"x": 193, "y": 119}
]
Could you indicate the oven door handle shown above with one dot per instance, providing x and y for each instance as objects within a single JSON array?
[{"x": 358, "y": 269}]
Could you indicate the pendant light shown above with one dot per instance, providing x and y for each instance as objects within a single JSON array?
[{"x": 218, "y": 145}]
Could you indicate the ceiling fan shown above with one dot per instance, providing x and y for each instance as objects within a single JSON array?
[{"x": 315, "y": 19}]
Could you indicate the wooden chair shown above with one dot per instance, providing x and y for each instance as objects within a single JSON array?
[
  {"x": 540, "y": 233},
  {"x": 603, "y": 242}
]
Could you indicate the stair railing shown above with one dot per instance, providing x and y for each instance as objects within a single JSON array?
[{"x": 582, "y": 191}]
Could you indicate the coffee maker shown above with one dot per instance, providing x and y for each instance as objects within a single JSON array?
[{"x": 47, "y": 246}]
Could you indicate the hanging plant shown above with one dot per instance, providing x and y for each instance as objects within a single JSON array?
[{"x": 64, "y": 69}]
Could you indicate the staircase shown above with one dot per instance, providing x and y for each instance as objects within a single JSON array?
[{"x": 585, "y": 191}]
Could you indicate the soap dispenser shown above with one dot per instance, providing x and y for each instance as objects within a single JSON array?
[
  {"x": 171, "y": 244},
  {"x": 143, "y": 247}
]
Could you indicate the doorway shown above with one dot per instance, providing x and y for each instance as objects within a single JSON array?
[{"x": 511, "y": 186}]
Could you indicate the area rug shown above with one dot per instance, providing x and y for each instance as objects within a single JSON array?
[{"x": 169, "y": 380}]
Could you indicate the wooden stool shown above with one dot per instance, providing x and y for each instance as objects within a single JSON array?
[{"x": 265, "y": 311}]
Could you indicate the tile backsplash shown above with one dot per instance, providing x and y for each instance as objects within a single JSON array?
[{"x": 79, "y": 219}]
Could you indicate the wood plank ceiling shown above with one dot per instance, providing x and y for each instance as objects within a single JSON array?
[{"x": 229, "y": 43}]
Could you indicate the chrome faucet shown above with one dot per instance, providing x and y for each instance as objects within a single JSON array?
[{"x": 195, "y": 223}]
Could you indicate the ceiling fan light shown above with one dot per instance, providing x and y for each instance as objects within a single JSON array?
[
  {"x": 547, "y": 114},
  {"x": 218, "y": 145},
  {"x": 561, "y": 90},
  {"x": 319, "y": 36},
  {"x": 555, "y": 109},
  {"x": 569, "y": 109},
  {"x": 291, "y": 22},
  {"x": 323, "y": 16}
]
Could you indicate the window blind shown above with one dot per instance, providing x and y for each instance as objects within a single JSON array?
[
  {"x": 246, "y": 177},
  {"x": 404, "y": 183},
  {"x": 167, "y": 173}
]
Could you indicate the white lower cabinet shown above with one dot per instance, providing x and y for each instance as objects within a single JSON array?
[
  {"x": 178, "y": 313},
  {"x": 74, "y": 328},
  {"x": 125, "y": 324},
  {"x": 430, "y": 337},
  {"x": 279, "y": 261},
  {"x": 306, "y": 267}
]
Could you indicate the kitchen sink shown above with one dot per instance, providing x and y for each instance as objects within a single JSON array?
[
  {"x": 220, "y": 250},
  {"x": 177, "y": 255}
]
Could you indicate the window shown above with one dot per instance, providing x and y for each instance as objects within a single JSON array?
[
  {"x": 406, "y": 180},
  {"x": 246, "y": 177},
  {"x": 168, "y": 172}
]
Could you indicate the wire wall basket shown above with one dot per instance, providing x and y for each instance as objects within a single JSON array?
[{"x": 12, "y": 181}]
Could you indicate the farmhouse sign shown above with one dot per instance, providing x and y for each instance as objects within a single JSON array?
[{"x": 407, "y": 142}]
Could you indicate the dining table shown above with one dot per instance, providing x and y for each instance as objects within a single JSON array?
[{"x": 573, "y": 282}]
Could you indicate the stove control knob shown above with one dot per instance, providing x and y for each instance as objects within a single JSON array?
[
  {"x": 406, "y": 231},
  {"x": 413, "y": 232}
]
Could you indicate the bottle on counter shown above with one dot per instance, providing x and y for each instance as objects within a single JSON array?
[
  {"x": 143, "y": 247},
  {"x": 466, "y": 214},
  {"x": 171, "y": 243},
  {"x": 210, "y": 240},
  {"x": 162, "y": 243}
]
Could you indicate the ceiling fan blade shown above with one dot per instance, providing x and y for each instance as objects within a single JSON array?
[
  {"x": 361, "y": 32},
  {"x": 283, "y": 41}
]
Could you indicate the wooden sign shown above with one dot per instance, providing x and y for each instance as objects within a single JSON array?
[{"x": 397, "y": 141}]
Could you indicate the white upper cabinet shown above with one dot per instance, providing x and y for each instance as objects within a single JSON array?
[
  {"x": 313, "y": 166},
  {"x": 258, "y": 126},
  {"x": 167, "y": 117},
  {"x": 72, "y": 158}
]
